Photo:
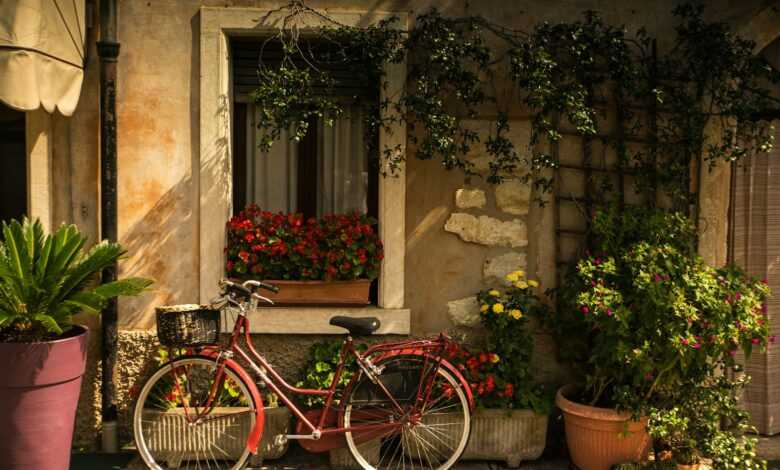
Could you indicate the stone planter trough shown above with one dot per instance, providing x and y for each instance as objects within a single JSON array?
[{"x": 277, "y": 421}]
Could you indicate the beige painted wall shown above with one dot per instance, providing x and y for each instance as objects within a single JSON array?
[
  {"x": 158, "y": 126},
  {"x": 158, "y": 137}
]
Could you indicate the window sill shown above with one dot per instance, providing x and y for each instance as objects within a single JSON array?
[{"x": 314, "y": 320}]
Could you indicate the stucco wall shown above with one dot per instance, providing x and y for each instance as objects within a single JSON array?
[{"x": 158, "y": 148}]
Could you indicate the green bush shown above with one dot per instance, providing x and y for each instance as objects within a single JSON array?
[{"x": 320, "y": 368}]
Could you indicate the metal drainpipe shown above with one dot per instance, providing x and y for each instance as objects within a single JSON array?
[{"x": 108, "y": 50}]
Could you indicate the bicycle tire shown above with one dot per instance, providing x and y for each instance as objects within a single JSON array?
[
  {"x": 171, "y": 440},
  {"x": 371, "y": 453}
]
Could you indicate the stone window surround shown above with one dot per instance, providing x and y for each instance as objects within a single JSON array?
[{"x": 214, "y": 181}]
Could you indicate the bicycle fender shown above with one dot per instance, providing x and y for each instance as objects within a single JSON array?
[
  {"x": 253, "y": 441},
  {"x": 444, "y": 363}
]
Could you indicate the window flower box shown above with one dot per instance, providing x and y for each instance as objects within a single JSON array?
[
  {"x": 327, "y": 261},
  {"x": 346, "y": 293}
]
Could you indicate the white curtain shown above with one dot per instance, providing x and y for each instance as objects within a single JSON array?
[
  {"x": 342, "y": 167},
  {"x": 272, "y": 180},
  {"x": 342, "y": 164}
]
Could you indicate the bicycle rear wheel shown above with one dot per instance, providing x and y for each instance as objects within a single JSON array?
[
  {"x": 431, "y": 436},
  {"x": 176, "y": 426}
]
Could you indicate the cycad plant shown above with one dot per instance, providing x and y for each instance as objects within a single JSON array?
[{"x": 46, "y": 279}]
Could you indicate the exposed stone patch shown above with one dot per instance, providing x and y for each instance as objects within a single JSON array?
[
  {"x": 464, "y": 312},
  {"x": 470, "y": 198},
  {"x": 495, "y": 269},
  {"x": 519, "y": 134},
  {"x": 513, "y": 197},
  {"x": 488, "y": 230}
]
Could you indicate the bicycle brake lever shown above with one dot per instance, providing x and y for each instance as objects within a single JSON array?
[{"x": 264, "y": 299}]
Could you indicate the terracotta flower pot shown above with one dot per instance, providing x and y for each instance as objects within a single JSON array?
[
  {"x": 692, "y": 466},
  {"x": 352, "y": 293},
  {"x": 599, "y": 438},
  {"x": 38, "y": 398}
]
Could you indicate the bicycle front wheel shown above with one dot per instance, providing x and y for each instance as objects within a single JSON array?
[
  {"x": 187, "y": 417},
  {"x": 429, "y": 434}
]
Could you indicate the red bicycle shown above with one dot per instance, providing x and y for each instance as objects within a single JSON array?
[{"x": 405, "y": 406}]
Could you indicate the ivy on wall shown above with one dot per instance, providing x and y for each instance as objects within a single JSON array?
[{"x": 703, "y": 99}]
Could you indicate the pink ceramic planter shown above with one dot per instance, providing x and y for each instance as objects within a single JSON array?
[{"x": 39, "y": 393}]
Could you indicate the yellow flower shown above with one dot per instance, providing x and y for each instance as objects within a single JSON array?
[
  {"x": 494, "y": 358},
  {"x": 521, "y": 285},
  {"x": 498, "y": 308},
  {"x": 494, "y": 293},
  {"x": 512, "y": 277},
  {"x": 484, "y": 308},
  {"x": 533, "y": 283},
  {"x": 516, "y": 314}
]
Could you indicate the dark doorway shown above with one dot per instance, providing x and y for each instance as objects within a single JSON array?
[{"x": 13, "y": 164}]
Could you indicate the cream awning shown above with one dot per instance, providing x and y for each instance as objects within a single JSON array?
[{"x": 41, "y": 54}]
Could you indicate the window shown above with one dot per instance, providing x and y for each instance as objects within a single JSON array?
[
  {"x": 329, "y": 171},
  {"x": 13, "y": 164}
]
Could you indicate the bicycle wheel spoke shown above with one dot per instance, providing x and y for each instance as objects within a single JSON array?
[
  {"x": 433, "y": 430},
  {"x": 422, "y": 442},
  {"x": 189, "y": 428}
]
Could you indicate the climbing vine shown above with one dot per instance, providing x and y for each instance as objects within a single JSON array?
[{"x": 703, "y": 100}]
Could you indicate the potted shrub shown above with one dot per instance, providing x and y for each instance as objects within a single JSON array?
[
  {"x": 706, "y": 421},
  {"x": 44, "y": 281},
  {"x": 510, "y": 422},
  {"x": 644, "y": 319},
  {"x": 331, "y": 260}
]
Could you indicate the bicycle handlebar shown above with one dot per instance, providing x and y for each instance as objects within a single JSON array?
[
  {"x": 245, "y": 290},
  {"x": 262, "y": 285}
]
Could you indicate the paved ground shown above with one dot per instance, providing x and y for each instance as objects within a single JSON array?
[{"x": 296, "y": 459}]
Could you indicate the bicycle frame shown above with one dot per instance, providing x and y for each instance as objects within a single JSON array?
[{"x": 429, "y": 350}]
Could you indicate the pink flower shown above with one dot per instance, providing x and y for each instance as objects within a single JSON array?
[
  {"x": 733, "y": 352},
  {"x": 772, "y": 339},
  {"x": 609, "y": 312},
  {"x": 684, "y": 341},
  {"x": 755, "y": 340},
  {"x": 657, "y": 278},
  {"x": 585, "y": 309},
  {"x": 738, "y": 296},
  {"x": 696, "y": 346}
]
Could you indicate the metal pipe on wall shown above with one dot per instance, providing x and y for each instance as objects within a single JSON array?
[{"x": 108, "y": 51}]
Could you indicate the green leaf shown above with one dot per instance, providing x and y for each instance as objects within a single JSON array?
[
  {"x": 48, "y": 322},
  {"x": 128, "y": 286}
]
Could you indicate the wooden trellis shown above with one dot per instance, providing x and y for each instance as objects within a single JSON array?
[{"x": 575, "y": 203}]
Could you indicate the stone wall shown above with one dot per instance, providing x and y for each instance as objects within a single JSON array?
[{"x": 462, "y": 234}]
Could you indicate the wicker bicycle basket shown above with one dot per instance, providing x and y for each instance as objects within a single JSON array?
[{"x": 187, "y": 325}]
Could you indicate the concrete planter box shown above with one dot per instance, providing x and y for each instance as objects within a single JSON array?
[
  {"x": 498, "y": 434},
  {"x": 509, "y": 435},
  {"x": 277, "y": 421}
]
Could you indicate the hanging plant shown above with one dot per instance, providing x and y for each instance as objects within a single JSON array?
[{"x": 705, "y": 97}]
